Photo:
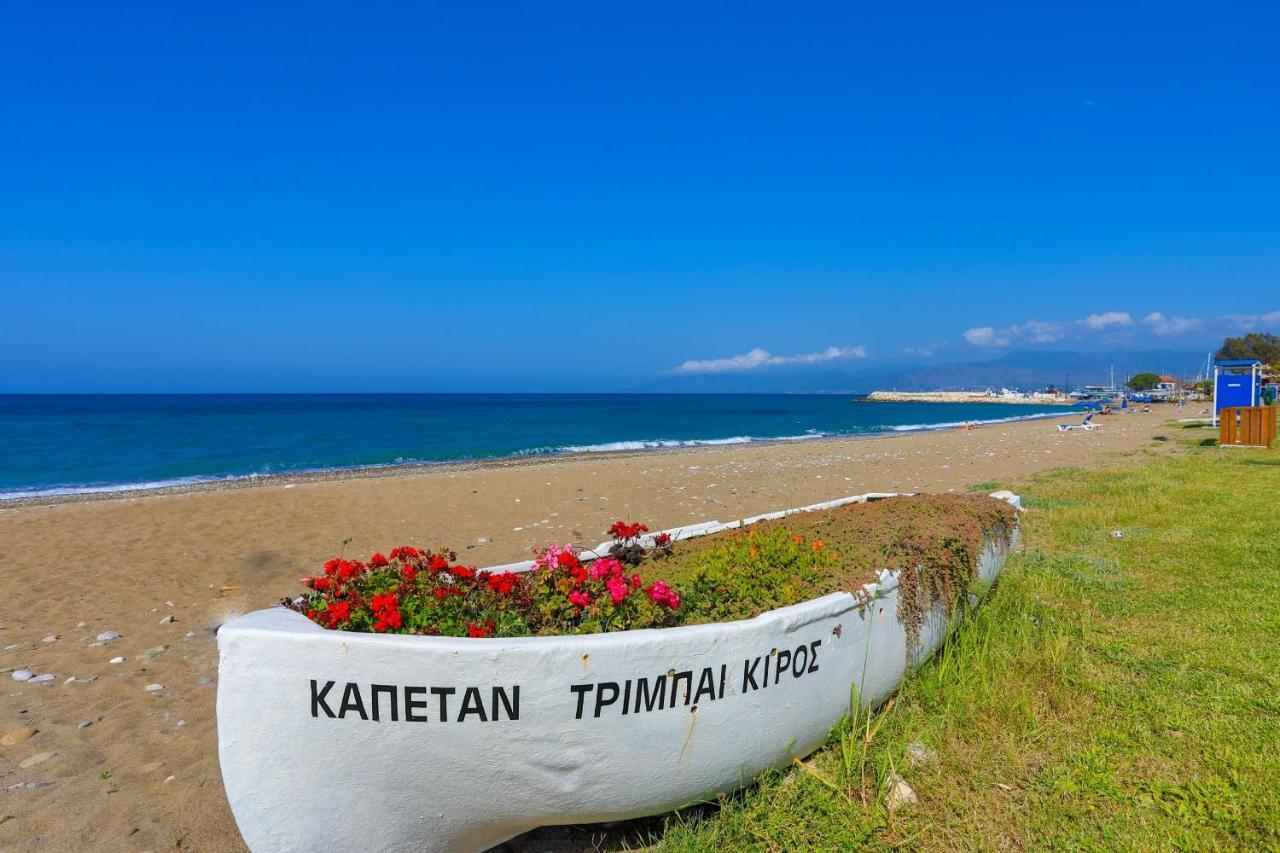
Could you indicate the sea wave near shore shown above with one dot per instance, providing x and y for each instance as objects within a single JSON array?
[{"x": 68, "y": 446}]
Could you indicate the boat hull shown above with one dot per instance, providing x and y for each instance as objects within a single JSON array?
[{"x": 331, "y": 740}]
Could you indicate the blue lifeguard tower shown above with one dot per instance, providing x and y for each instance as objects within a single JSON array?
[{"x": 1236, "y": 382}]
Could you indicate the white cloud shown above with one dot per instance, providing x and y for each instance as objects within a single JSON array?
[
  {"x": 758, "y": 358},
  {"x": 1040, "y": 332},
  {"x": 985, "y": 336},
  {"x": 1253, "y": 322},
  {"x": 1163, "y": 325},
  {"x": 1107, "y": 319}
]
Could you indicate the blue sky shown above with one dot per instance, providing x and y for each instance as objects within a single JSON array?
[{"x": 561, "y": 197}]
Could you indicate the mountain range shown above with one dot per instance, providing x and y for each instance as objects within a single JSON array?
[{"x": 1024, "y": 369}]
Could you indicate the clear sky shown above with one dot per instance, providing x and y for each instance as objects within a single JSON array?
[{"x": 586, "y": 197}]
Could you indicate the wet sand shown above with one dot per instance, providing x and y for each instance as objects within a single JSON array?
[{"x": 143, "y": 773}]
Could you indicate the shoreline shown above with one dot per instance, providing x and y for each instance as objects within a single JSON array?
[
  {"x": 121, "y": 491},
  {"x": 127, "y": 726}
]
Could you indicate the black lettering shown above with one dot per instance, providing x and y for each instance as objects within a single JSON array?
[
  {"x": 443, "y": 693},
  {"x": 784, "y": 662},
  {"x": 351, "y": 700},
  {"x": 706, "y": 684},
  {"x": 687, "y": 675},
  {"x": 411, "y": 704},
  {"x": 724, "y": 670},
  {"x": 390, "y": 690},
  {"x": 317, "y": 700},
  {"x": 749, "y": 674},
  {"x": 511, "y": 703},
  {"x": 648, "y": 699},
  {"x": 626, "y": 696},
  {"x": 813, "y": 656},
  {"x": 801, "y": 661},
  {"x": 582, "y": 690},
  {"x": 471, "y": 704},
  {"x": 612, "y": 687}
]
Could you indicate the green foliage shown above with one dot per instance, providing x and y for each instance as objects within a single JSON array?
[
  {"x": 1260, "y": 345},
  {"x": 1143, "y": 381}
]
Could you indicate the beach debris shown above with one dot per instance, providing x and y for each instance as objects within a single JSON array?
[
  {"x": 900, "y": 794},
  {"x": 11, "y": 647},
  {"x": 483, "y": 540},
  {"x": 16, "y": 736},
  {"x": 38, "y": 758},
  {"x": 204, "y": 679},
  {"x": 81, "y": 623},
  {"x": 170, "y": 778},
  {"x": 23, "y": 675},
  {"x": 41, "y": 679},
  {"x": 36, "y": 786},
  {"x": 188, "y": 635},
  {"x": 168, "y": 619},
  {"x": 84, "y": 724},
  {"x": 77, "y": 680},
  {"x": 108, "y": 636},
  {"x": 154, "y": 688},
  {"x": 52, "y": 638},
  {"x": 153, "y": 652},
  {"x": 117, "y": 659},
  {"x": 152, "y": 767}
]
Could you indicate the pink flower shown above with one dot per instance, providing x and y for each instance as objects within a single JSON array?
[
  {"x": 555, "y": 555},
  {"x": 579, "y": 598},
  {"x": 617, "y": 589},
  {"x": 605, "y": 567},
  {"x": 661, "y": 594}
]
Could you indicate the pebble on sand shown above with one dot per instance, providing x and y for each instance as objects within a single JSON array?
[
  {"x": 154, "y": 688},
  {"x": 38, "y": 758},
  {"x": 117, "y": 660},
  {"x": 16, "y": 736},
  {"x": 167, "y": 619},
  {"x": 23, "y": 675},
  {"x": 108, "y": 636},
  {"x": 41, "y": 679}
]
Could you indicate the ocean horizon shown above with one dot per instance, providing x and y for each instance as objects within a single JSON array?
[{"x": 66, "y": 444}]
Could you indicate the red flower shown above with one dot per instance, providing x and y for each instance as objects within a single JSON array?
[
  {"x": 409, "y": 573},
  {"x": 662, "y": 539},
  {"x": 332, "y": 566},
  {"x": 388, "y": 620},
  {"x": 437, "y": 563},
  {"x": 462, "y": 572},
  {"x": 377, "y": 561},
  {"x": 502, "y": 584},
  {"x": 404, "y": 552},
  {"x": 339, "y": 611},
  {"x": 623, "y": 531},
  {"x": 476, "y": 631}
]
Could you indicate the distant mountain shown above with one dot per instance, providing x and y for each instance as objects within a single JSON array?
[{"x": 1022, "y": 369}]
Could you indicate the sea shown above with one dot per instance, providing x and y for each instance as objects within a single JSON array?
[{"x": 78, "y": 444}]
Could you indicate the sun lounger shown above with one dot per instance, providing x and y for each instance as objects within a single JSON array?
[{"x": 1087, "y": 425}]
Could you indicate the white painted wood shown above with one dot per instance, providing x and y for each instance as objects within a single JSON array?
[{"x": 301, "y": 780}]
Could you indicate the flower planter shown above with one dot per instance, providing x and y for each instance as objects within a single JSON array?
[{"x": 332, "y": 740}]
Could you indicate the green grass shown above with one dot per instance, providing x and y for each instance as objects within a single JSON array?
[{"x": 1111, "y": 693}]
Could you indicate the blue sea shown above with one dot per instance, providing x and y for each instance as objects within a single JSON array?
[{"x": 53, "y": 444}]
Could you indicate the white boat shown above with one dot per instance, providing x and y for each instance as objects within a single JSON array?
[{"x": 331, "y": 740}]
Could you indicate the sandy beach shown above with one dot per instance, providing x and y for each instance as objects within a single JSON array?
[{"x": 123, "y": 755}]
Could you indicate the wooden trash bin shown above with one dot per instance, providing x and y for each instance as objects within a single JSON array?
[{"x": 1247, "y": 426}]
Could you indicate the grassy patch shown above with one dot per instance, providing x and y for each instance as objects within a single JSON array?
[{"x": 1114, "y": 692}]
